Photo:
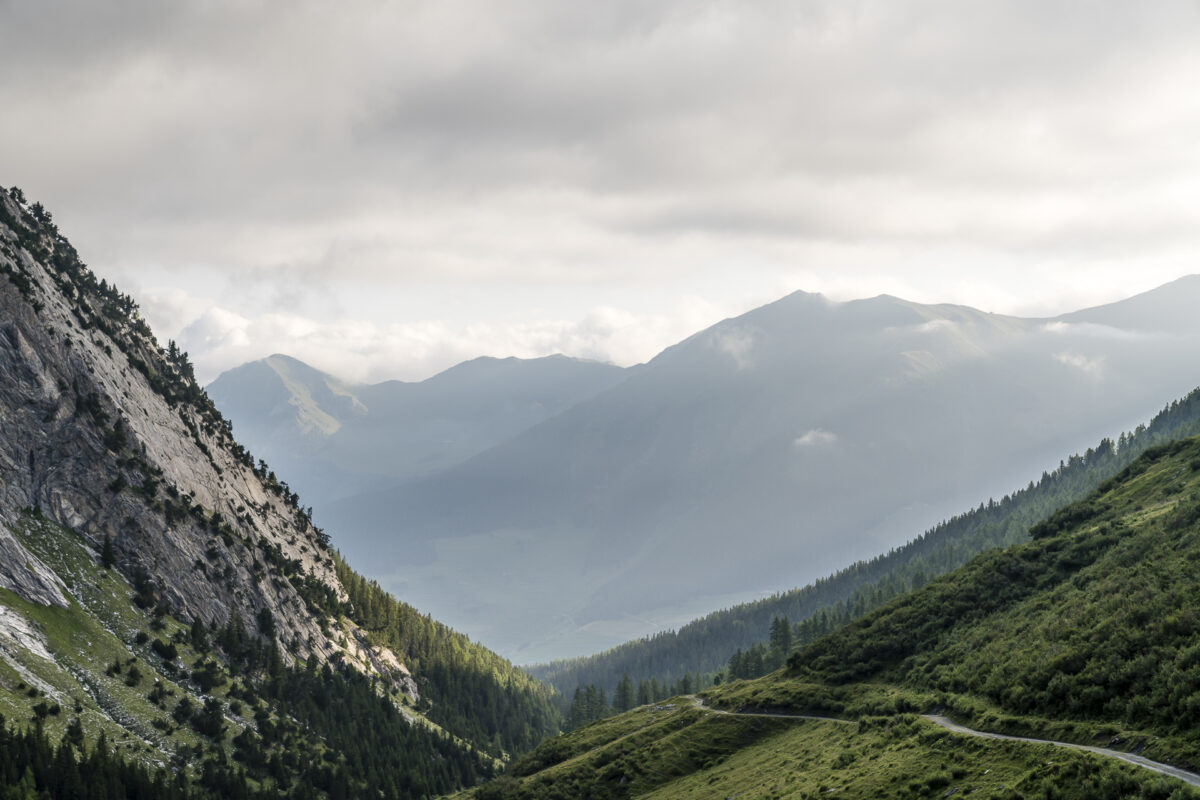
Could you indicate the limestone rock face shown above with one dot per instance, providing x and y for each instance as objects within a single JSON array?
[
  {"x": 22, "y": 573},
  {"x": 106, "y": 433}
]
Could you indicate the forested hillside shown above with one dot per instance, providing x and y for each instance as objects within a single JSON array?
[
  {"x": 1095, "y": 619},
  {"x": 744, "y": 641},
  {"x": 468, "y": 689},
  {"x": 1088, "y": 633}
]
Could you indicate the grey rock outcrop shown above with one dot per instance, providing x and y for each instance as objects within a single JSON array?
[
  {"x": 108, "y": 434},
  {"x": 22, "y": 573}
]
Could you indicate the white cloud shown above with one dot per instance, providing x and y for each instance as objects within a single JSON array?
[
  {"x": 737, "y": 343},
  {"x": 817, "y": 437},
  {"x": 643, "y": 150},
  {"x": 935, "y": 325},
  {"x": 1093, "y": 330},
  {"x": 364, "y": 351},
  {"x": 932, "y": 326},
  {"x": 1091, "y": 366}
]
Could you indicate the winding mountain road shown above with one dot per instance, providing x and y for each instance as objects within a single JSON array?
[{"x": 1154, "y": 766}]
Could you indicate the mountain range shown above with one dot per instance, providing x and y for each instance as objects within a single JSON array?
[
  {"x": 766, "y": 451},
  {"x": 334, "y": 440},
  {"x": 746, "y": 640}
]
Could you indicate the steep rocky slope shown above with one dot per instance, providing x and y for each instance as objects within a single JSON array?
[
  {"x": 161, "y": 587},
  {"x": 109, "y": 435}
]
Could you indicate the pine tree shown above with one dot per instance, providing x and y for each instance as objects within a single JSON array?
[
  {"x": 623, "y": 698},
  {"x": 781, "y": 636}
]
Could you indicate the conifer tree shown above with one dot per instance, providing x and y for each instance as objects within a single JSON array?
[
  {"x": 108, "y": 554},
  {"x": 623, "y": 697}
]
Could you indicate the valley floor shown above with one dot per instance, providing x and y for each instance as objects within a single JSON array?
[
  {"x": 1190, "y": 778},
  {"x": 685, "y": 750}
]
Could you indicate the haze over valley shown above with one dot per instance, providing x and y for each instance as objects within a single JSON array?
[{"x": 572, "y": 506}]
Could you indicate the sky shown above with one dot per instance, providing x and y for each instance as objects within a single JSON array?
[{"x": 384, "y": 189}]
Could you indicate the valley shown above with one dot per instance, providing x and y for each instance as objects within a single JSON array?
[{"x": 833, "y": 432}]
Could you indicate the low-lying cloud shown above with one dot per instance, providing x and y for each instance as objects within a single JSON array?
[
  {"x": 1093, "y": 366},
  {"x": 364, "y": 351},
  {"x": 817, "y": 437}
]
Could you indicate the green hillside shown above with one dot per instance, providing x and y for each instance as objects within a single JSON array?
[
  {"x": 216, "y": 705},
  {"x": 712, "y": 643},
  {"x": 1094, "y": 620},
  {"x": 1088, "y": 633}
]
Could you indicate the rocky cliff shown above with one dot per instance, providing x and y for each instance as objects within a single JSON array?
[
  {"x": 108, "y": 434},
  {"x": 163, "y": 590}
]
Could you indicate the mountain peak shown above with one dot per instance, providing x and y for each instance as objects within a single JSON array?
[{"x": 1170, "y": 308}]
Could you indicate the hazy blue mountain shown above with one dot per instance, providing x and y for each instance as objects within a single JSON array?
[
  {"x": 759, "y": 454},
  {"x": 1167, "y": 311},
  {"x": 329, "y": 438}
]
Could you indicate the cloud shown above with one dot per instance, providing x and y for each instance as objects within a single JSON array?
[
  {"x": 1093, "y": 367},
  {"x": 648, "y": 148},
  {"x": 1094, "y": 330},
  {"x": 737, "y": 343},
  {"x": 932, "y": 326},
  {"x": 363, "y": 351},
  {"x": 935, "y": 325},
  {"x": 817, "y": 437}
]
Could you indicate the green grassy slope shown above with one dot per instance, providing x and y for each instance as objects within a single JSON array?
[
  {"x": 1088, "y": 633},
  {"x": 93, "y": 667},
  {"x": 676, "y": 751},
  {"x": 1096, "y": 619},
  {"x": 79, "y": 644}
]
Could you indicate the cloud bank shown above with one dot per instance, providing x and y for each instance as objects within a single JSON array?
[{"x": 517, "y": 162}]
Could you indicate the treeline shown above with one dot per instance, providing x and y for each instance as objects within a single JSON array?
[
  {"x": 320, "y": 730},
  {"x": 320, "y": 733},
  {"x": 471, "y": 691},
  {"x": 307, "y": 731},
  {"x": 367, "y": 748},
  {"x": 706, "y": 645},
  {"x": 33, "y": 768},
  {"x": 590, "y": 703}
]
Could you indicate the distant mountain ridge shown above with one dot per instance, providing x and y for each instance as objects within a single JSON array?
[
  {"x": 769, "y": 449},
  {"x": 736, "y": 642},
  {"x": 333, "y": 438},
  {"x": 765, "y": 451}
]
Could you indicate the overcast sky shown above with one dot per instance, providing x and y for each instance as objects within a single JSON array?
[{"x": 386, "y": 188}]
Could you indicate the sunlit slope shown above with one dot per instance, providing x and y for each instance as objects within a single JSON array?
[{"x": 676, "y": 751}]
